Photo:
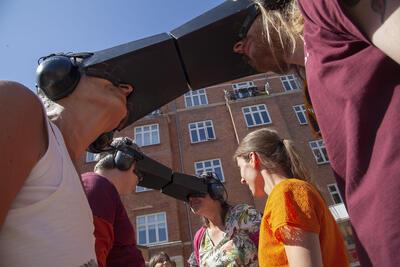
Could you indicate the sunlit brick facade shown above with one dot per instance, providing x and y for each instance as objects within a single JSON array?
[{"x": 201, "y": 130}]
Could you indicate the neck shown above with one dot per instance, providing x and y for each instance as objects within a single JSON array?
[
  {"x": 272, "y": 179},
  {"x": 113, "y": 176},
  {"x": 79, "y": 127},
  {"x": 215, "y": 218}
]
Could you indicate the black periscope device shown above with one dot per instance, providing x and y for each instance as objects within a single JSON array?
[
  {"x": 165, "y": 66},
  {"x": 155, "y": 175},
  {"x": 160, "y": 68}
]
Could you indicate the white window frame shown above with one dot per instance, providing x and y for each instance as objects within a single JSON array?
[
  {"x": 241, "y": 85},
  {"x": 300, "y": 110},
  {"x": 140, "y": 189},
  {"x": 196, "y": 94},
  {"x": 290, "y": 80},
  {"x": 91, "y": 157},
  {"x": 140, "y": 131},
  {"x": 258, "y": 111},
  {"x": 335, "y": 192},
  {"x": 319, "y": 145},
  {"x": 197, "y": 127},
  {"x": 210, "y": 168},
  {"x": 147, "y": 224}
]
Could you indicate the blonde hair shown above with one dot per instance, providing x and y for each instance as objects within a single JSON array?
[
  {"x": 274, "y": 152},
  {"x": 281, "y": 28}
]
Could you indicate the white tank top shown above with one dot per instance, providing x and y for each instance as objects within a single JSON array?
[{"x": 50, "y": 222}]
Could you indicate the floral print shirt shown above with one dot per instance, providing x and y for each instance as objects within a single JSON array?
[{"x": 236, "y": 248}]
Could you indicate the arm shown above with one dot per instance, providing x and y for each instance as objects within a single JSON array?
[
  {"x": 302, "y": 248},
  {"x": 379, "y": 20},
  {"x": 103, "y": 199},
  {"x": 104, "y": 234},
  {"x": 23, "y": 140}
]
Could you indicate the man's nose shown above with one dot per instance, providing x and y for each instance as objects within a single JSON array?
[
  {"x": 238, "y": 47},
  {"x": 243, "y": 181}
]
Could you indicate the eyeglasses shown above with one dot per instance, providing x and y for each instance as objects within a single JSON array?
[{"x": 253, "y": 12}]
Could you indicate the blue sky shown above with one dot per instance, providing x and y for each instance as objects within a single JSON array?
[{"x": 30, "y": 29}]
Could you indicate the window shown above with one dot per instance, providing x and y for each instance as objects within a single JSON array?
[
  {"x": 300, "y": 111},
  {"x": 213, "y": 165},
  {"x": 290, "y": 82},
  {"x": 196, "y": 98},
  {"x": 319, "y": 151},
  {"x": 201, "y": 131},
  {"x": 237, "y": 86},
  {"x": 348, "y": 236},
  {"x": 152, "y": 228},
  {"x": 335, "y": 194},
  {"x": 244, "y": 89},
  {"x": 256, "y": 115},
  {"x": 142, "y": 189},
  {"x": 90, "y": 157},
  {"x": 147, "y": 135}
]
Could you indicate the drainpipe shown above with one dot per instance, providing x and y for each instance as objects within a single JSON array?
[
  {"x": 230, "y": 114},
  {"x": 179, "y": 134}
]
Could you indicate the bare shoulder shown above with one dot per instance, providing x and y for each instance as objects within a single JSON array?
[
  {"x": 17, "y": 101},
  {"x": 21, "y": 116},
  {"x": 23, "y": 139},
  {"x": 378, "y": 20}
]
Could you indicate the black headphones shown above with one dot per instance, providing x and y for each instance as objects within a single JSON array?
[
  {"x": 215, "y": 187},
  {"x": 58, "y": 74},
  {"x": 125, "y": 155}
]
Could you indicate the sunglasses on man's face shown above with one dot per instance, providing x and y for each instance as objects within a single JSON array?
[{"x": 253, "y": 12}]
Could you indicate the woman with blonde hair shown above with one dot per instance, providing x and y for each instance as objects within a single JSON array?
[{"x": 297, "y": 228}]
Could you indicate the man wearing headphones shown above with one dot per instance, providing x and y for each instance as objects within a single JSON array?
[
  {"x": 114, "y": 175},
  {"x": 45, "y": 219}
]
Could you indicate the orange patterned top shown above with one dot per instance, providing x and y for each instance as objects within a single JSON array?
[{"x": 295, "y": 204}]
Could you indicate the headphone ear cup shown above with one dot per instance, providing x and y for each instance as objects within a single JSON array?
[
  {"x": 123, "y": 161},
  {"x": 216, "y": 191},
  {"x": 102, "y": 143},
  {"x": 57, "y": 76}
]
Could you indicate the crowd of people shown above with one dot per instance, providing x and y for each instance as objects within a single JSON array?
[{"x": 348, "y": 54}]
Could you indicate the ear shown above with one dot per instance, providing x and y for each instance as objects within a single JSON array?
[{"x": 254, "y": 160}]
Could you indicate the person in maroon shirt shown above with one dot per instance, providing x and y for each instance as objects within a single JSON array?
[
  {"x": 351, "y": 56},
  {"x": 114, "y": 233}
]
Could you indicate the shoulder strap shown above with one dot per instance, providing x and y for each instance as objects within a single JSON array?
[{"x": 196, "y": 243}]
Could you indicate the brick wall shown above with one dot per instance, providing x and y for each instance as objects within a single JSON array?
[{"x": 176, "y": 151}]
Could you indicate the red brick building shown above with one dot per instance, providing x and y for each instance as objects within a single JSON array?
[{"x": 200, "y": 131}]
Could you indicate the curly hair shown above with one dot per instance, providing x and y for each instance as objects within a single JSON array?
[{"x": 106, "y": 159}]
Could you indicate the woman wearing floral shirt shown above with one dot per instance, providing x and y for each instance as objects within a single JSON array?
[{"x": 229, "y": 234}]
